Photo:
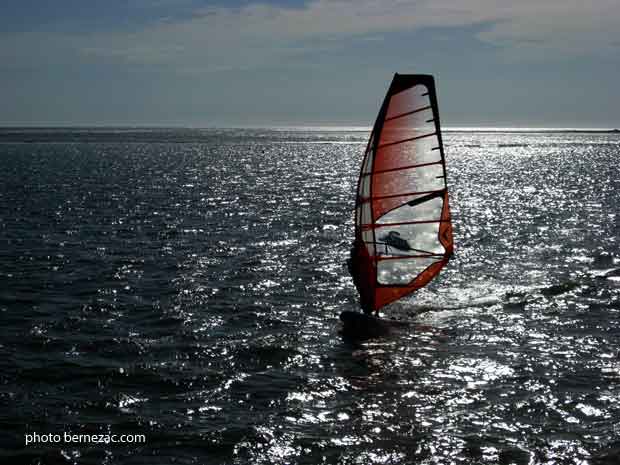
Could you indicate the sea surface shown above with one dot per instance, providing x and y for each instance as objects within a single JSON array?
[{"x": 186, "y": 285}]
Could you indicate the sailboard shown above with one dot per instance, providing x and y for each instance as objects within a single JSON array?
[{"x": 403, "y": 229}]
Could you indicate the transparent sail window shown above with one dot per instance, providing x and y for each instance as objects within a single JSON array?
[
  {"x": 409, "y": 239},
  {"x": 401, "y": 272}
]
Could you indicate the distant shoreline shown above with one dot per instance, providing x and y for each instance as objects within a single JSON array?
[
  {"x": 536, "y": 130},
  {"x": 14, "y": 130}
]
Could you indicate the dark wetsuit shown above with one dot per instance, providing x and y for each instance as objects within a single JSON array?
[{"x": 358, "y": 261}]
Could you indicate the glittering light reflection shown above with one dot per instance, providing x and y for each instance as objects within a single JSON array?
[{"x": 212, "y": 277}]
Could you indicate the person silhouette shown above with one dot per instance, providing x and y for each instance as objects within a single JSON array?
[{"x": 393, "y": 239}]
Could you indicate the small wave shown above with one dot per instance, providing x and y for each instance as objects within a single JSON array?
[
  {"x": 603, "y": 260},
  {"x": 558, "y": 289}
]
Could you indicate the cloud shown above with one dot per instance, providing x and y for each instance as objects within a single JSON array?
[
  {"x": 567, "y": 27},
  {"x": 225, "y": 36},
  {"x": 259, "y": 34}
]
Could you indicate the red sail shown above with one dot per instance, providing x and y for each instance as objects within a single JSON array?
[{"x": 403, "y": 231}]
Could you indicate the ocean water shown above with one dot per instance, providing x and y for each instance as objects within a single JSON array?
[{"x": 186, "y": 284}]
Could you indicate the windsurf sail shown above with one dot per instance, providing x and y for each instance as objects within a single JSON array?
[{"x": 403, "y": 230}]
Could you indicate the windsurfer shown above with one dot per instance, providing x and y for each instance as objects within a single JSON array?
[
  {"x": 394, "y": 252},
  {"x": 393, "y": 239},
  {"x": 358, "y": 260}
]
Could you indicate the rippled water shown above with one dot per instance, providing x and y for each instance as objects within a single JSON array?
[{"x": 186, "y": 285}]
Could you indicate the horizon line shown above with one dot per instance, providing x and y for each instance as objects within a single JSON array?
[{"x": 305, "y": 127}]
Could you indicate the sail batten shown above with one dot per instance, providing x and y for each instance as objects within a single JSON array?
[
  {"x": 386, "y": 225},
  {"x": 381, "y": 197},
  {"x": 427, "y": 107},
  {"x": 403, "y": 224},
  {"x": 411, "y": 139},
  {"x": 409, "y": 257},
  {"x": 420, "y": 165}
]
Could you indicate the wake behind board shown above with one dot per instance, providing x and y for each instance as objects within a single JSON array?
[{"x": 361, "y": 326}]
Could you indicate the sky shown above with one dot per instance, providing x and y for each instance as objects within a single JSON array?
[{"x": 503, "y": 63}]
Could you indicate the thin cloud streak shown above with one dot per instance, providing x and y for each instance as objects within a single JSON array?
[
  {"x": 216, "y": 33},
  {"x": 259, "y": 34},
  {"x": 221, "y": 34}
]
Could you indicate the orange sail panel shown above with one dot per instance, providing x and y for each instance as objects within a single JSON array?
[{"x": 403, "y": 231}]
